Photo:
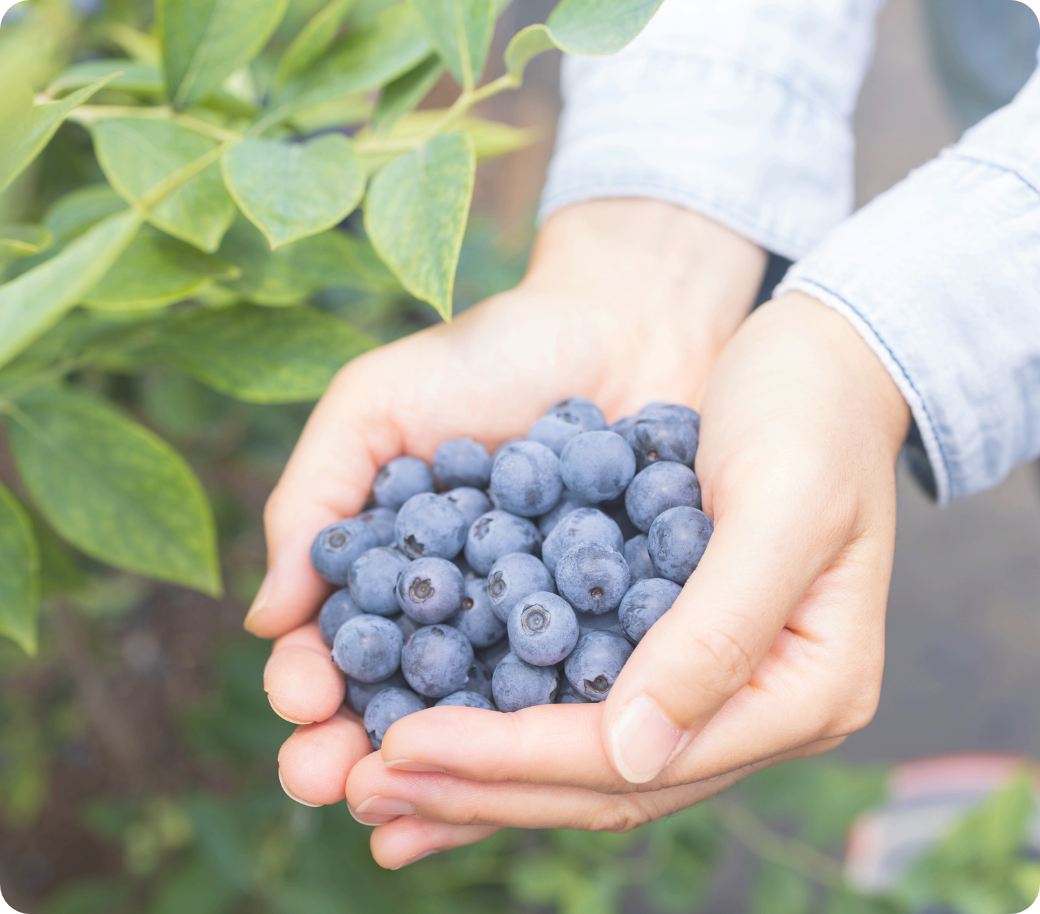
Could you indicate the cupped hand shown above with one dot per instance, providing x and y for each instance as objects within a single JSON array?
[
  {"x": 626, "y": 301},
  {"x": 773, "y": 650}
]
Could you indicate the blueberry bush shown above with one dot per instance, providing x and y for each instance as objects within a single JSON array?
[{"x": 207, "y": 207}]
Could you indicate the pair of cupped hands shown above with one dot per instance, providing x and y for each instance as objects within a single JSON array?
[{"x": 774, "y": 650}]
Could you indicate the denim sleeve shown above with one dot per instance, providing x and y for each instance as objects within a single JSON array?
[
  {"x": 740, "y": 110},
  {"x": 941, "y": 277}
]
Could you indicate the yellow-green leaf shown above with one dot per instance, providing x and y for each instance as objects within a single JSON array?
[
  {"x": 71, "y": 215},
  {"x": 404, "y": 93},
  {"x": 461, "y": 32},
  {"x": 134, "y": 77},
  {"x": 19, "y": 574},
  {"x": 23, "y": 240},
  {"x": 314, "y": 39}
]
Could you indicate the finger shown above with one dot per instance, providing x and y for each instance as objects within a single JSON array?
[
  {"x": 314, "y": 762},
  {"x": 406, "y": 840},
  {"x": 301, "y": 681}
]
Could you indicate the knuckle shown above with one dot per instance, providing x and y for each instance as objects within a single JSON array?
[
  {"x": 856, "y": 711},
  {"x": 732, "y": 663},
  {"x": 623, "y": 814}
]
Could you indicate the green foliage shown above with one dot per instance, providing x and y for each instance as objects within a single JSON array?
[
  {"x": 314, "y": 39},
  {"x": 461, "y": 32},
  {"x": 779, "y": 890},
  {"x": 402, "y": 94},
  {"x": 19, "y": 574}
]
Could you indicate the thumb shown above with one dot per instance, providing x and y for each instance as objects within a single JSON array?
[{"x": 706, "y": 648}]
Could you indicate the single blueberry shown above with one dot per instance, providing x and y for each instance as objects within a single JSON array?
[
  {"x": 386, "y": 708},
  {"x": 590, "y": 414},
  {"x": 542, "y": 629},
  {"x": 382, "y": 521},
  {"x": 596, "y": 662},
  {"x": 430, "y": 590},
  {"x": 335, "y": 548},
  {"x": 502, "y": 447},
  {"x": 514, "y": 577},
  {"x": 659, "y": 487},
  {"x": 651, "y": 407},
  {"x": 622, "y": 425},
  {"x": 517, "y": 684},
  {"x": 499, "y": 533},
  {"x": 638, "y": 557},
  {"x": 605, "y": 622},
  {"x": 430, "y": 526},
  {"x": 462, "y": 462},
  {"x": 690, "y": 416},
  {"x": 592, "y": 577},
  {"x": 359, "y": 694},
  {"x": 645, "y": 603},
  {"x": 526, "y": 478},
  {"x": 471, "y": 502},
  {"x": 373, "y": 579},
  {"x": 477, "y": 619},
  {"x": 597, "y": 465},
  {"x": 399, "y": 480},
  {"x": 338, "y": 608},
  {"x": 555, "y": 430},
  {"x": 662, "y": 436},
  {"x": 677, "y": 540},
  {"x": 478, "y": 679},
  {"x": 436, "y": 660},
  {"x": 568, "y": 695},
  {"x": 569, "y": 501},
  {"x": 464, "y": 699},
  {"x": 490, "y": 656},
  {"x": 584, "y": 525},
  {"x": 368, "y": 648}
]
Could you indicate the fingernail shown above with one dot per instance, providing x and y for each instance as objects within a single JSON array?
[
  {"x": 281, "y": 781},
  {"x": 643, "y": 740},
  {"x": 406, "y": 764},
  {"x": 385, "y": 806},
  {"x": 299, "y": 723},
  {"x": 416, "y": 859},
  {"x": 259, "y": 601}
]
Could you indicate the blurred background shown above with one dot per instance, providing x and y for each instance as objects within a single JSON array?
[{"x": 137, "y": 753}]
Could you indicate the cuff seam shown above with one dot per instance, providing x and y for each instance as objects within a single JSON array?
[{"x": 979, "y": 159}]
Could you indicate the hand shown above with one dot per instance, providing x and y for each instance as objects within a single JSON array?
[
  {"x": 774, "y": 649},
  {"x": 626, "y": 301}
]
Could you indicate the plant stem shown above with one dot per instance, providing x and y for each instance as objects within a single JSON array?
[{"x": 91, "y": 114}]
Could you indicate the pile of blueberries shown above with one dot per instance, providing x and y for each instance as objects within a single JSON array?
[{"x": 553, "y": 558}]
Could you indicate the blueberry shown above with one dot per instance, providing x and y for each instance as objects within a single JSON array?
[
  {"x": 490, "y": 656},
  {"x": 373, "y": 577},
  {"x": 428, "y": 525},
  {"x": 590, "y": 414},
  {"x": 471, "y": 502},
  {"x": 555, "y": 430},
  {"x": 526, "y": 478},
  {"x": 638, "y": 558},
  {"x": 382, "y": 521},
  {"x": 359, "y": 694},
  {"x": 436, "y": 660},
  {"x": 542, "y": 629},
  {"x": 502, "y": 447},
  {"x": 399, "y": 480},
  {"x": 431, "y": 590},
  {"x": 622, "y": 425},
  {"x": 659, "y": 487},
  {"x": 596, "y": 662},
  {"x": 597, "y": 465},
  {"x": 651, "y": 407},
  {"x": 386, "y": 708},
  {"x": 584, "y": 525},
  {"x": 407, "y": 624},
  {"x": 569, "y": 501},
  {"x": 677, "y": 540},
  {"x": 368, "y": 648},
  {"x": 645, "y": 603},
  {"x": 338, "y": 608},
  {"x": 690, "y": 416},
  {"x": 478, "y": 679},
  {"x": 477, "y": 619},
  {"x": 514, "y": 577},
  {"x": 592, "y": 577},
  {"x": 604, "y": 622},
  {"x": 462, "y": 462},
  {"x": 336, "y": 547},
  {"x": 517, "y": 684},
  {"x": 464, "y": 699},
  {"x": 568, "y": 695},
  {"x": 662, "y": 436},
  {"x": 499, "y": 533}
]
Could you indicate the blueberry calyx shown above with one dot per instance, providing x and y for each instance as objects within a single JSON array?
[
  {"x": 535, "y": 619},
  {"x": 600, "y": 684},
  {"x": 496, "y": 586},
  {"x": 422, "y": 589},
  {"x": 467, "y": 603},
  {"x": 336, "y": 540},
  {"x": 413, "y": 545},
  {"x": 480, "y": 529}
]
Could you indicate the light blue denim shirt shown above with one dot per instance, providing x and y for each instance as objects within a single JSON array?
[{"x": 742, "y": 111}]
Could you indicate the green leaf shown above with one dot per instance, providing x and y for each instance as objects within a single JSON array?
[
  {"x": 114, "y": 490},
  {"x": 36, "y": 300},
  {"x": 23, "y": 240},
  {"x": 28, "y": 129},
  {"x": 205, "y": 41},
  {"x": 78, "y": 210},
  {"x": 416, "y": 214},
  {"x": 260, "y": 355},
  {"x": 523, "y": 47},
  {"x": 341, "y": 112},
  {"x": 779, "y": 890},
  {"x": 404, "y": 93},
  {"x": 156, "y": 270},
  {"x": 136, "y": 78},
  {"x": 292, "y": 190},
  {"x": 461, "y": 32},
  {"x": 314, "y": 40},
  {"x": 136, "y": 154},
  {"x": 19, "y": 574},
  {"x": 59, "y": 573}
]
